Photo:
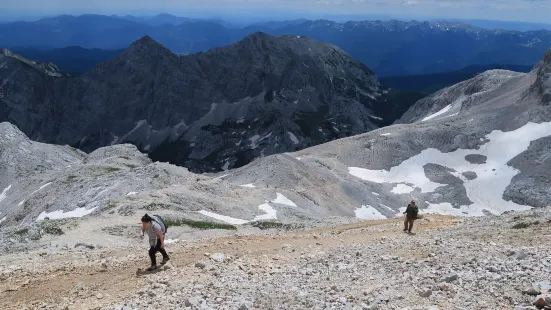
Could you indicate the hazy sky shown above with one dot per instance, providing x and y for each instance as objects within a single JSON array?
[{"x": 519, "y": 10}]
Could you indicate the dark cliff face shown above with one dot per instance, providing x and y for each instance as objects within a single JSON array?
[{"x": 209, "y": 111}]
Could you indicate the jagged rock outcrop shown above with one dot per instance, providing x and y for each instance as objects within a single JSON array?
[
  {"x": 543, "y": 80},
  {"x": 209, "y": 111}
]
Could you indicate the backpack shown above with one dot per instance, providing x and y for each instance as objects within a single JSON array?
[{"x": 160, "y": 221}]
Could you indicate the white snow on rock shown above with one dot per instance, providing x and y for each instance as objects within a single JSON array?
[
  {"x": 284, "y": 200},
  {"x": 3, "y": 219},
  {"x": 251, "y": 185},
  {"x": 221, "y": 177},
  {"x": 169, "y": 241},
  {"x": 293, "y": 137},
  {"x": 4, "y": 193},
  {"x": 386, "y": 134},
  {"x": 226, "y": 166},
  {"x": 223, "y": 218},
  {"x": 444, "y": 110},
  {"x": 402, "y": 189},
  {"x": 60, "y": 214},
  {"x": 132, "y": 194},
  {"x": 376, "y": 194},
  {"x": 21, "y": 203},
  {"x": 41, "y": 187},
  {"x": 271, "y": 213},
  {"x": 367, "y": 212},
  {"x": 486, "y": 191}
]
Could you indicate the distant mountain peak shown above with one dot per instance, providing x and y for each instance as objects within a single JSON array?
[
  {"x": 145, "y": 40},
  {"x": 146, "y": 46}
]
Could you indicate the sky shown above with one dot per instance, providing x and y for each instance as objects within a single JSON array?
[{"x": 507, "y": 10}]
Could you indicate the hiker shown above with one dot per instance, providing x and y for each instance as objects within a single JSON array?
[
  {"x": 411, "y": 215},
  {"x": 156, "y": 230}
]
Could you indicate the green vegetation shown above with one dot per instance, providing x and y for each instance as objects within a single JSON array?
[
  {"x": 51, "y": 229},
  {"x": 525, "y": 225},
  {"x": 125, "y": 157},
  {"x": 130, "y": 166},
  {"x": 112, "y": 169},
  {"x": 204, "y": 225},
  {"x": 71, "y": 178},
  {"x": 156, "y": 176},
  {"x": 22, "y": 232},
  {"x": 263, "y": 225}
]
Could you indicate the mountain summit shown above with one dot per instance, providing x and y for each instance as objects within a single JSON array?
[{"x": 209, "y": 111}]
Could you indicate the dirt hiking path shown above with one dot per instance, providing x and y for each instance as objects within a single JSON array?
[{"x": 97, "y": 278}]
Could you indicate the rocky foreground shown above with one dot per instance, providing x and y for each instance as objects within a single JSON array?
[{"x": 495, "y": 262}]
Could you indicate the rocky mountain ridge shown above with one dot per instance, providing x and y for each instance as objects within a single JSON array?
[
  {"x": 210, "y": 111},
  {"x": 476, "y": 148}
]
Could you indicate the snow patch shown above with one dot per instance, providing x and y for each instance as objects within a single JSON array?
[
  {"x": 41, "y": 187},
  {"x": 293, "y": 137},
  {"x": 221, "y": 177},
  {"x": 486, "y": 191},
  {"x": 3, "y": 219},
  {"x": 367, "y": 212},
  {"x": 60, "y": 214},
  {"x": 376, "y": 194},
  {"x": 223, "y": 218},
  {"x": 251, "y": 185},
  {"x": 386, "y": 134},
  {"x": 402, "y": 189},
  {"x": 271, "y": 213},
  {"x": 132, "y": 194},
  {"x": 284, "y": 200},
  {"x": 169, "y": 241},
  {"x": 21, "y": 203},
  {"x": 4, "y": 193},
  {"x": 226, "y": 166},
  {"x": 444, "y": 110}
]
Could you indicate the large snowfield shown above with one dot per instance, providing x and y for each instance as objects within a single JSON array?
[{"x": 485, "y": 191}]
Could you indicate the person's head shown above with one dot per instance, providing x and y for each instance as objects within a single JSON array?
[
  {"x": 146, "y": 221},
  {"x": 413, "y": 202}
]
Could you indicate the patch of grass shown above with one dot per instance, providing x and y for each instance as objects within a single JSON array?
[
  {"x": 263, "y": 225},
  {"x": 71, "y": 178},
  {"x": 525, "y": 225},
  {"x": 112, "y": 169},
  {"x": 198, "y": 224},
  {"x": 156, "y": 176},
  {"x": 22, "y": 232},
  {"x": 125, "y": 157},
  {"x": 130, "y": 166},
  {"x": 52, "y": 230}
]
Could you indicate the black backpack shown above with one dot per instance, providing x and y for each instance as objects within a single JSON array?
[{"x": 160, "y": 221}]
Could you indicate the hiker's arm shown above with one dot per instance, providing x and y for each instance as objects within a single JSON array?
[{"x": 162, "y": 238}]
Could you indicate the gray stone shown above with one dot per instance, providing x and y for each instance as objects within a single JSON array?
[
  {"x": 218, "y": 257},
  {"x": 425, "y": 293},
  {"x": 449, "y": 278},
  {"x": 476, "y": 159}
]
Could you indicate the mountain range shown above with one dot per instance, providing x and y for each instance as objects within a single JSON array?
[
  {"x": 476, "y": 148},
  {"x": 209, "y": 111},
  {"x": 389, "y": 48}
]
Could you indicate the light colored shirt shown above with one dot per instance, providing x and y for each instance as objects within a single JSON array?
[{"x": 152, "y": 233}]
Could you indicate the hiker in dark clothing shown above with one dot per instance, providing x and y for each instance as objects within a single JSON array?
[
  {"x": 156, "y": 232},
  {"x": 411, "y": 215}
]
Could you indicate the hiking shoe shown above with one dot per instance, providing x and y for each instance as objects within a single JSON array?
[
  {"x": 165, "y": 260},
  {"x": 152, "y": 268}
]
